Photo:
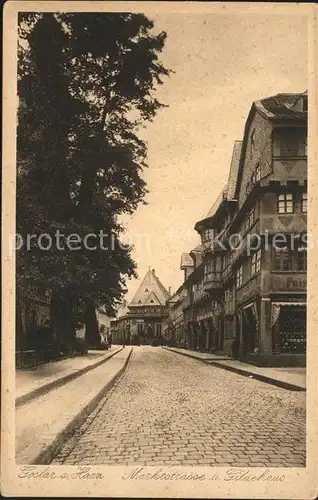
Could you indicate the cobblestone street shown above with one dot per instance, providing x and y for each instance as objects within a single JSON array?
[{"x": 169, "y": 409}]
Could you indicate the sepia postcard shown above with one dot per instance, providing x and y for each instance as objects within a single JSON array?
[{"x": 159, "y": 238}]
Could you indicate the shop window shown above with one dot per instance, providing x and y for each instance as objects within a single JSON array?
[
  {"x": 256, "y": 262},
  {"x": 302, "y": 260},
  {"x": 285, "y": 203},
  {"x": 304, "y": 202},
  {"x": 239, "y": 277},
  {"x": 292, "y": 330},
  {"x": 282, "y": 260}
]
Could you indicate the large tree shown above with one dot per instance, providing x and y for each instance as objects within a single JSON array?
[{"x": 86, "y": 83}]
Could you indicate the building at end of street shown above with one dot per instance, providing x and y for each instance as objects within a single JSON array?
[{"x": 145, "y": 318}]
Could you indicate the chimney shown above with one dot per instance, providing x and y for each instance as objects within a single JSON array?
[
  {"x": 169, "y": 290},
  {"x": 154, "y": 271}
]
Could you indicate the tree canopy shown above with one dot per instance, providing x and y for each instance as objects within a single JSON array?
[{"x": 86, "y": 83}]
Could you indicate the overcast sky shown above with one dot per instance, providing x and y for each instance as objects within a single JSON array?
[{"x": 222, "y": 64}]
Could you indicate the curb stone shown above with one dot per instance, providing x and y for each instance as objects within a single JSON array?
[
  {"x": 47, "y": 455},
  {"x": 40, "y": 391},
  {"x": 262, "y": 378}
]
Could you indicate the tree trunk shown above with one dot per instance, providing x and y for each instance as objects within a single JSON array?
[
  {"x": 92, "y": 335},
  {"x": 62, "y": 322}
]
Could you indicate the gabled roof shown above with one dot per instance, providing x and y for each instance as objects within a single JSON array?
[
  {"x": 150, "y": 292},
  {"x": 282, "y": 106},
  {"x": 278, "y": 107}
]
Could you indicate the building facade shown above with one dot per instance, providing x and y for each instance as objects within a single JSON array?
[
  {"x": 174, "y": 332},
  {"x": 145, "y": 318},
  {"x": 245, "y": 286}
]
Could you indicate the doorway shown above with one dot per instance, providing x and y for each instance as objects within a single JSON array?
[{"x": 249, "y": 330}]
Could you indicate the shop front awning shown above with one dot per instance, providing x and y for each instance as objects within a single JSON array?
[
  {"x": 276, "y": 307},
  {"x": 291, "y": 304}
]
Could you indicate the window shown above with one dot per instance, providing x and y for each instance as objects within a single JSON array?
[
  {"x": 250, "y": 219},
  {"x": 158, "y": 329},
  {"x": 302, "y": 260},
  {"x": 256, "y": 176},
  {"x": 140, "y": 328},
  {"x": 306, "y": 146},
  {"x": 290, "y": 146},
  {"x": 239, "y": 277},
  {"x": 256, "y": 262},
  {"x": 228, "y": 295},
  {"x": 282, "y": 260},
  {"x": 209, "y": 267},
  {"x": 257, "y": 173},
  {"x": 285, "y": 203},
  {"x": 206, "y": 235},
  {"x": 304, "y": 202},
  {"x": 305, "y": 104}
]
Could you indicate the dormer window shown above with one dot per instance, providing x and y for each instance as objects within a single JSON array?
[{"x": 146, "y": 290}]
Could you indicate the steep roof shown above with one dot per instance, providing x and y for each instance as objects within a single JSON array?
[
  {"x": 235, "y": 163},
  {"x": 282, "y": 106},
  {"x": 150, "y": 292},
  {"x": 278, "y": 107},
  {"x": 228, "y": 192},
  {"x": 217, "y": 203}
]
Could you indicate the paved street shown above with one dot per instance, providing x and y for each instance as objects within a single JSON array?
[{"x": 170, "y": 409}]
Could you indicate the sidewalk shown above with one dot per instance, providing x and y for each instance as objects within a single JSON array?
[
  {"x": 287, "y": 378},
  {"x": 35, "y": 381},
  {"x": 44, "y": 424}
]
